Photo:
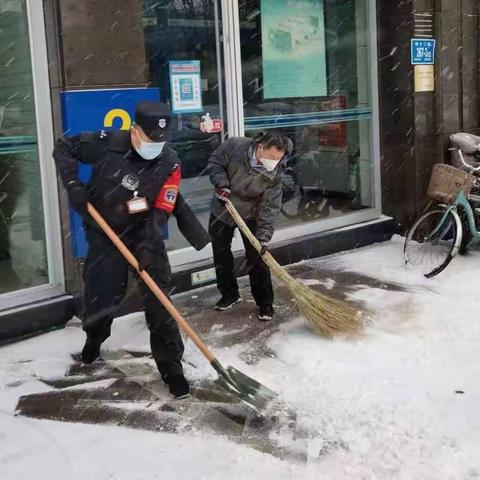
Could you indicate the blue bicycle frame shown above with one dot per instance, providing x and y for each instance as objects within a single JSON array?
[{"x": 452, "y": 208}]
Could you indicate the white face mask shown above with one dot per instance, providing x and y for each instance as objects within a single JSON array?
[
  {"x": 150, "y": 150},
  {"x": 269, "y": 165}
]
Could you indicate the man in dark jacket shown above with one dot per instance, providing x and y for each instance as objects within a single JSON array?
[
  {"x": 249, "y": 173},
  {"x": 134, "y": 186}
]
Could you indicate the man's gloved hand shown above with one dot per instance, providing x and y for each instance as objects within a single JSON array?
[
  {"x": 223, "y": 193},
  {"x": 78, "y": 197},
  {"x": 145, "y": 258},
  {"x": 264, "y": 248}
]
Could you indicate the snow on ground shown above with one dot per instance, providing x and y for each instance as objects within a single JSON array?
[{"x": 400, "y": 402}]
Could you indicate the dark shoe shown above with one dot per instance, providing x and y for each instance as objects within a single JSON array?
[
  {"x": 178, "y": 386},
  {"x": 226, "y": 303},
  {"x": 91, "y": 350},
  {"x": 266, "y": 313}
]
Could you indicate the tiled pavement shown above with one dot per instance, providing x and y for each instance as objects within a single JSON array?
[{"x": 124, "y": 388}]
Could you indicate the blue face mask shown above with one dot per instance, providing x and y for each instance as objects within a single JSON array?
[{"x": 150, "y": 150}]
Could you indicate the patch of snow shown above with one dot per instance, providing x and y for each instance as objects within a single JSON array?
[
  {"x": 379, "y": 406},
  {"x": 328, "y": 283},
  {"x": 97, "y": 385}
]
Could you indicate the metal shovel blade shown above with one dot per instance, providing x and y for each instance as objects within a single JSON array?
[{"x": 245, "y": 388}]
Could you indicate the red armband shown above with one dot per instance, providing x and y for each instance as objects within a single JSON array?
[{"x": 168, "y": 194}]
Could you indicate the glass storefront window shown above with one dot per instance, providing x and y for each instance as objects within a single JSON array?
[
  {"x": 306, "y": 72},
  {"x": 23, "y": 258},
  {"x": 184, "y": 31}
]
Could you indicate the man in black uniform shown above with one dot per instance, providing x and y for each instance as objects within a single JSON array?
[{"x": 135, "y": 190}]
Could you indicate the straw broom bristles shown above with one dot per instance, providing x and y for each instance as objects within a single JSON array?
[{"x": 327, "y": 316}]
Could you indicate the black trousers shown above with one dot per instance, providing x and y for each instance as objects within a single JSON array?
[
  {"x": 260, "y": 279},
  {"x": 105, "y": 277}
]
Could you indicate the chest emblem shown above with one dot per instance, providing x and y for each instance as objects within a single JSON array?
[{"x": 130, "y": 182}]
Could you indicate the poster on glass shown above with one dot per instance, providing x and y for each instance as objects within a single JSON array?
[{"x": 293, "y": 49}]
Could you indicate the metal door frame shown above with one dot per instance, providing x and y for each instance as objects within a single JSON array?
[
  {"x": 48, "y": 174},
  {"x": 235, "y": 121}
]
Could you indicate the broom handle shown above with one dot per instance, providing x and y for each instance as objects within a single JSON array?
[
  {"x": 267, "y": 256},
  {"x": 182, "y": 323}
]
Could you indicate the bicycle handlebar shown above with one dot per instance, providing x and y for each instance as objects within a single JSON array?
[{"x": 470, "y": 167}]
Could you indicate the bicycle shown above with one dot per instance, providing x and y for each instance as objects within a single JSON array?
[{"x": 438, "y": 235}]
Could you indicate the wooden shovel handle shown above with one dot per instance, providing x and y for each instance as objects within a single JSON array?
[{"x": 182, "y": 323}]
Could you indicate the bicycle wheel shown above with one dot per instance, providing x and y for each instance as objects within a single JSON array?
[{"x": 431, "y": 251}]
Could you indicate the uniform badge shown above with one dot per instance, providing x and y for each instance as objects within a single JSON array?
[
  {"x": 162, "y": 123},
  {"x": 130, "y": 182},
  {"x": 170, "y": 195},
  {"x": 137, "y": 204}
]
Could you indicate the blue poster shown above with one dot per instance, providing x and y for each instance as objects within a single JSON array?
[
  {"x": 185, "y": 86},
  {"x": 293, "y": 49},
  {"x": 92, "y": 110},
  {"x": 423, "y": 51}
]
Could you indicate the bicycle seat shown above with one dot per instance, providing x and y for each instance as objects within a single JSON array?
[{"x": 468, "y": 143}]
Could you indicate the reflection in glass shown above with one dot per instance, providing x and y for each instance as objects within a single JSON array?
[
  {"x": 188, "y": 30},
  {"x": 305, "y": 69},
  {"x": 23, "y": 261}
]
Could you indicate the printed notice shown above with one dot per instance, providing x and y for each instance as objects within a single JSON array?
[
  {"x": 185, "y": 86},
  {"x": 424, "y": 78},
  {"x": 293, "y": 49}
]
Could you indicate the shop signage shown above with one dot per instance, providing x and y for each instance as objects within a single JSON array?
[
  {"x": 424, "y": 78},
  {"x": 203, "y": 276},
  {"x": 92, "y": 110},
  {"x": 293, "y": 49},
  {"x": 211, "y": 125},
  {"x": 185, "y": 86},
  {"x": 423, "y": 51}
]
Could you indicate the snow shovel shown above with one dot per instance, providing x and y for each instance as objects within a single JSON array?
[{"x": 248, "y": 390}]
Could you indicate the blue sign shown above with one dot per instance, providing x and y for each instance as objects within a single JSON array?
[
  {"x": 93, "y": 110},
  {"x": 186, "y": 86},
  {"x": 423, "y": 51}
]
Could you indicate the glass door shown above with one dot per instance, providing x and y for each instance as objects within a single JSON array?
[
  {"x": 188, "y": 34},
  {"x": 23, "y": 250},
  {"x": 306, "y": 71},
  {"x": 31, "y": 259},
  {"x": 303, "y": 67}
]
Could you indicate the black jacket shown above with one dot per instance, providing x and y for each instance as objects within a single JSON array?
[{"x": 118, "y": 171}]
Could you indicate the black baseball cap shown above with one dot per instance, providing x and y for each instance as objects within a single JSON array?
[{"x": 155, "y": 119}]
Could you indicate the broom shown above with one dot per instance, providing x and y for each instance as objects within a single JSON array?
[{"x": 327, "y": 316}]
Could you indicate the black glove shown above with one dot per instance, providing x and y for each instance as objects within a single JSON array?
[
  {"x": 223, "y": 193},
  {"x": 145, "y": 257},
  {"x": 264, "y": 248},
  {"x": 78, "y": 197}
]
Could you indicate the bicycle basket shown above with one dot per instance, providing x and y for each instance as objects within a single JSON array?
[{"x": 447, "y": 181}]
